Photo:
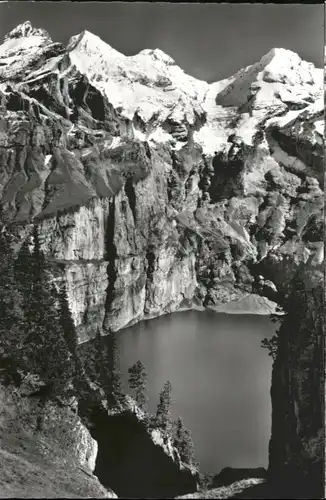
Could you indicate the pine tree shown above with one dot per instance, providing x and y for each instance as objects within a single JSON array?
[
  {"x": 271, "y": 344},
  {"x": 98, "y": 361},
  {"x": 66, "y": 321},
  {"x": 163, "y": 411},
  {"x": 115, "y": 373},
  {"x": 106, "y": 379},
  {"x": 39, "y": 258},
  {"x": 138, "y": 381},
  {"x": 70, "y": 333},
  {"x": 109, "y": 370},
  {"x": 90, "y": 358},
  {"x": 11, "y": 331},
  {"x": 183, "y": 442},
  {"x": 7, "y": 285},
  {"x": 24, "y": 272}
]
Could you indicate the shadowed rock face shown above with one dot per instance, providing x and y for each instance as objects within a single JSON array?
[
  {"x": 132, "y": 208},
  {"x": 133, "y": 464},
  {"x": 298, "y": 436}
]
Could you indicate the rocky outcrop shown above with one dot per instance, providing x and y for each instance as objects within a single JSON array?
[{"x": 134, "y": 462}]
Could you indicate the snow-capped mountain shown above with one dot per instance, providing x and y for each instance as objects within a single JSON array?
[{"x": 152, "y": 87}]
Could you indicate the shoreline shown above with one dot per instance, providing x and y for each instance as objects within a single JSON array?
[{"x": 250, "y": 304}]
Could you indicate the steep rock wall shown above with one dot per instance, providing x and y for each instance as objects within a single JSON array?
[{"x": 296, "y": 451}]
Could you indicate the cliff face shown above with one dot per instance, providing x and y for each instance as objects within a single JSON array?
[
  {"x": 128, "y": 199},
  {"x": 297, "y": 446},
  {"x": 112, "y": 158}
]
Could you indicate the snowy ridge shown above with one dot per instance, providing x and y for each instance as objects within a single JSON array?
[
  {"x": 147, "y": 83},
  {"x": 25, "y": 30},
  {"x": 279, "y": 82},
  {"x": 152, "y": 86},
  {"x": 22, "y": 48}
]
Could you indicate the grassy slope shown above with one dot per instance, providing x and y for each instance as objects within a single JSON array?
[
  {"x": 27, "y": 474},
  {"x": 41, "y": 463}
]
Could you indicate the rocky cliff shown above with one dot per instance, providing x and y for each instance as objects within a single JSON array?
[
  {"x": 112, "y": 158},
  {"x": 152, "y": 191}
]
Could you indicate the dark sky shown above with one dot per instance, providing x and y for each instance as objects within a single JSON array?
[{"x": 209, "y": 41}]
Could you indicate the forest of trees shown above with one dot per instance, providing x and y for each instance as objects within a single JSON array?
[
  {"x": 37, "y": 332},
  {"x": 36, "y": 328}
]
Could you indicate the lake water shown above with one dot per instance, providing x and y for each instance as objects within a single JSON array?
[{"x": 220, "y": 380}]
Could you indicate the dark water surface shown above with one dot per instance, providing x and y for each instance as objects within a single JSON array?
[{"x": 220, "y": 380}]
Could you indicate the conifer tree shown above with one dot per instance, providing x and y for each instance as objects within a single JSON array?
[
  {"x": 7, "y": 284},
  {"x": 66, "y": 321},
  {"x": 106, "y": 379},
  {"x": 138, "y": 381},
  {"x": 183, "y": 442},
  {"x": 90, "y": 359},
  {"x": 11, "y": 331},
  {"x": 115, "y": 372},
  {"x": 107, "y": 368},
  {"x": 24, "y": 272},
  {"x": 39, "y": 258},
  {"x": 163, "y": 411},
  {"x": 70, "y": 333},
  {"x": 99, "y": 358}
]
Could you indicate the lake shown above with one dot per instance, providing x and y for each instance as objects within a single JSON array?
[{"x": 220, "y": 380}]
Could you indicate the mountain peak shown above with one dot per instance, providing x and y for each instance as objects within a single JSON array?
[
  {"x": 279, "y": 72},
  {"x": 282, "y": 57},
  {"x": 90, "y": 43},
  {"x": 281, "y": 52},
  {"x": 26, "y": 29},
  {"x": 159, "y": 55}
]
